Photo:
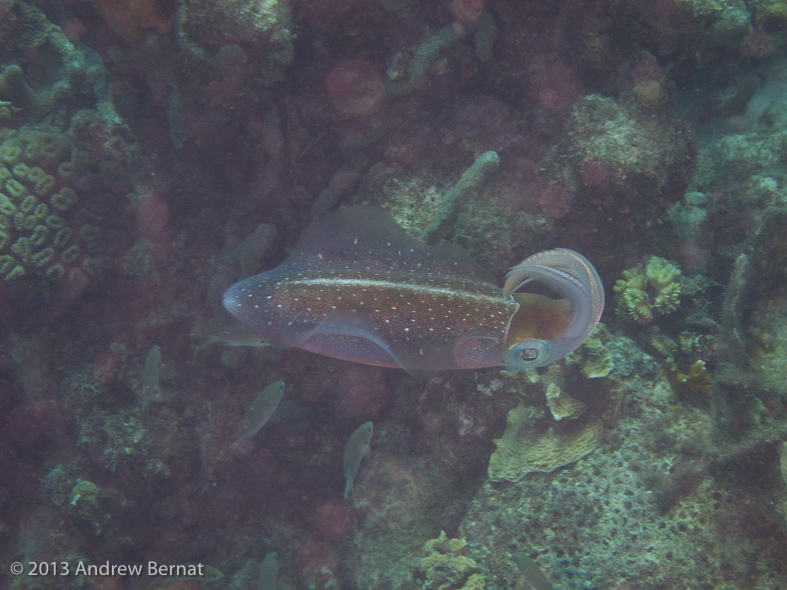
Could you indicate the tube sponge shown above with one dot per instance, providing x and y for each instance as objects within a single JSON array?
[{"x": 480, "y": 170}]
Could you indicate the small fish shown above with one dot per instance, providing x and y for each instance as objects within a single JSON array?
[
  {"x": 269, "y": 571},
  {"x": 235, "y": 334},
  {"x": 531, "y": 572},
  {"x": 150, "y": 373},
  {"x": 358, "y": 288},
  {"x": 260, "y": 412},
  {"x": 354, "y": 452}
]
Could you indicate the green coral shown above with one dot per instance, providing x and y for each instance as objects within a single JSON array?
[
  {"x": 33, "y": 229},
  {"x": 649, "y": 290},
  {"x": 454, "y": 197},
  {"x": 85, "y": 504},
  {"x": 594, "y": 356},
  {"x": 445, "y": 568}
]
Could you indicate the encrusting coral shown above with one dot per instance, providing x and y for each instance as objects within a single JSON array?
[
  {"x": 563, "y": 405},
  {"x": 645, "y": 291},
  {"x": 594, "y": 356},
  {"x": 522, "y": 450}
]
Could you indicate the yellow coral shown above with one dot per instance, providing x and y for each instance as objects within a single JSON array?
[
  {"x": 652, "y": 289},
  {"x": 521, "y": 450},
  {"x": 445, "y": 568},
  {"x": 664, "y": 345},
  {"x": 85, "y": 504},
  {"x": 594, "y": 356},
  {"x": 697, "y": 380},
  {"x": 563, "y": 405}
]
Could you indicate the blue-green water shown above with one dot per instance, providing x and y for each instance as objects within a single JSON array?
[{"x": 153, "y": 153}]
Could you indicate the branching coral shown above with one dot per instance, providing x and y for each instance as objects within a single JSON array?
[
  {"x": 697, "y": 380},
  {"x": 645, "y": 291}
]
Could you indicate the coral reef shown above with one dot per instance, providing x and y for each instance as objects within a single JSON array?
[
  {"x": 444, "y": 567},
  {"x": 648, "y": 290},
  {"x": 154, "y": 151},
  {"x": 446, "y": 213},
  {"x": 130, "y": 20},
  {"x": 696, "y": 380},
  {"x": 46, "y": 227},
  {"x": 63, "y": 159},
  {"x": 620, "y": 157},
  {"x": 521, "y": 451},
  {"x": 257, "y": 32},
  {"x": 561, "y": 405},
  {"x": 594, "y": 355}
]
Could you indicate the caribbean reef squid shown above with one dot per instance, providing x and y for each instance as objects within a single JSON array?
[{"x": 358, "y": 288}]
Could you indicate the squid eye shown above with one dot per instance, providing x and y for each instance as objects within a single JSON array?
[{"x": 528, "y": 354}]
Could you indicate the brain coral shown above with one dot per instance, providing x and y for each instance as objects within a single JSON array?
[{"x": 46, "y": 227}]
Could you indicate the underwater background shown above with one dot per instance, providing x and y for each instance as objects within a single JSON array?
[{"x": 154, "y": 152}]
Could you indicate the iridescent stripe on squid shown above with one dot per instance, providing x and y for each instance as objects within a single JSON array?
[{"x": 397, "y": 306}]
